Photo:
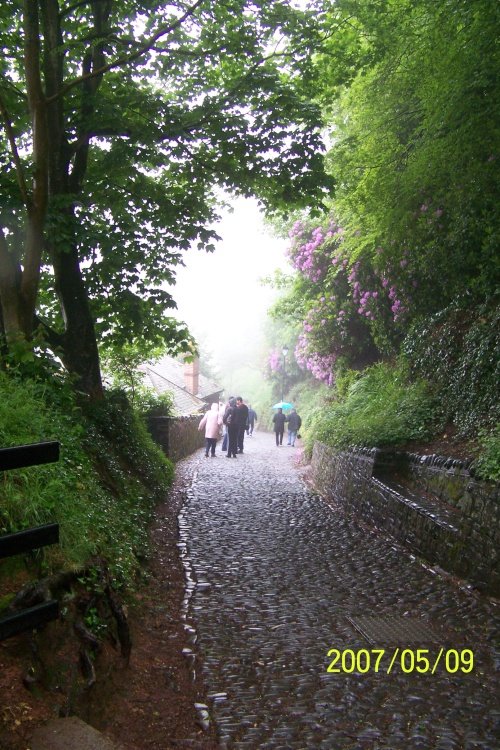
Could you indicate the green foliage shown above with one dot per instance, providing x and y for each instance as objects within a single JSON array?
[
  {"x": 149, "y": 403},
  {"x": 306, "y": 395},
  {"x": 381, "y": 408},
  {"x": 415, "y": 134},
  {"x": 113, "y": 422},
  {"x": 122, "y": 366},
  {"x": 410, "y": 92},
  {"x": 488, "y": 464},
  {"x": 458, "y": 350},
  {"x": 103, "y": 489},
  {"x": 150, "y": 109}
]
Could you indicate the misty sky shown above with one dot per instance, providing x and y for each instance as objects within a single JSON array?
[{"x": 219, "y": 295}]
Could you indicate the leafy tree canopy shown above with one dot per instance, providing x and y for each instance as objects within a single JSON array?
[{"x": 119, "y": 119}]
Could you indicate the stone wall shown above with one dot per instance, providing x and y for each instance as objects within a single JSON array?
[
  {"x": 178, "y": 436},
  {"x": 429, "y": 503}
]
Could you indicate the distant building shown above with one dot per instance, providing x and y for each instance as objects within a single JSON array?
[{"x": 191, "y": 390}]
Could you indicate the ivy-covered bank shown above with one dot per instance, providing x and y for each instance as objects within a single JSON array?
[
  {"x": 443, "y": 387},
  {"x": 390, "y": 316},
  {"x": 103, "y": 489},
  {"x": 438, "y": 394}
]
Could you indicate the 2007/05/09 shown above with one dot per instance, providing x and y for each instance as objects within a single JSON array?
[{"x": 410, "y": 660}]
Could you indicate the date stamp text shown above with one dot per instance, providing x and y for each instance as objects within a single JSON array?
[{"x": 407, "y": 660}]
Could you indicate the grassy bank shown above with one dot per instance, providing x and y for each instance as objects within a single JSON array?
[{"x": 103, "y": 489}]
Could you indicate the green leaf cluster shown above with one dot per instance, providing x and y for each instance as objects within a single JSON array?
[
  {"x": 458, "y": 350},
  {"x": 488, "y": 464}
]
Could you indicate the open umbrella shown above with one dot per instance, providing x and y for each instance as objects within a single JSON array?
[{"x": 282, "y": 405}]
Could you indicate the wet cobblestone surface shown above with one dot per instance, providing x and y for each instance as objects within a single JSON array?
[{"x": 274, "y": 574}]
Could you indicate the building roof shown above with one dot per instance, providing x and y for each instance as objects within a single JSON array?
[
  {"x": 167, "y": 375},
  {"x": 173, "y": 371}
]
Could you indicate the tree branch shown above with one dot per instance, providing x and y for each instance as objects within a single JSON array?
[
  {"x": 128, "y": 58},
  {"x": 15, "y": 154},
  {"x": 73, "y": 7},
  {"x": 54, "y": 339}
]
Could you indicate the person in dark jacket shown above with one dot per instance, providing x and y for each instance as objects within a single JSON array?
[
  {"x": 225, "y": 434},
  {"x": 252, "y": 418},
  {"x": 294, "y": 423},
  {"x": 242, "y": 419},
  {"x": 279, "y": 420},
  {"x": 230, "y": 419}
]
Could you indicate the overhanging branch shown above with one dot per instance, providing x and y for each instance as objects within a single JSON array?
[
  {"x": 15, "y": 154},
  {"x": 119, "y": 62}
]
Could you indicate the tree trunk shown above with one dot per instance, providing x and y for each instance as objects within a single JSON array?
[
  {"x": 10, "y": 298},
  {"x": 38, "y": 200},
  {"x": 79, "y": 353}
]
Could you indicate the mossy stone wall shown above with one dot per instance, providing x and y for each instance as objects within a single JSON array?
[
  {"x": 178, "y": 436},
  {"x": 431, "y": 504}
]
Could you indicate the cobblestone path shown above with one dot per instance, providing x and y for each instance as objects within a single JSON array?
[{"x": 276, "y": 575}]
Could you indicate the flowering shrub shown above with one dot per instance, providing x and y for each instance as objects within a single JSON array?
[
  {"x": 275, "y": 361},
  {"x": 355, "y": 311},
  {"x": 345, "y": 307}
]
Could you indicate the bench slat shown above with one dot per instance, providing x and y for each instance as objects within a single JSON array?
[
  {"x": 22, "y": 541},
  {"x": 20, "y": 456},
  {"x": 28, "y": 619}
]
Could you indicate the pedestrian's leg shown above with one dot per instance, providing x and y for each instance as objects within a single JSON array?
[
  {"x": 232, "y": 441},
  {"x": 207, "y": 446}
]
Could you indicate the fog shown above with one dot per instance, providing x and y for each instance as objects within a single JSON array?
[{"x": 220, "y": 297}]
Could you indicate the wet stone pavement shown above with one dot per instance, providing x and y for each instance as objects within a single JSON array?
[{"x": 274, "y": 575}]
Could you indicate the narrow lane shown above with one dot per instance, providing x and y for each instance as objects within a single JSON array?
[{"x": 279, "y": 576}]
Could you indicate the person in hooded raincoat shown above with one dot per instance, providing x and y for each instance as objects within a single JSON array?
[{"x": 211, "y": 421}]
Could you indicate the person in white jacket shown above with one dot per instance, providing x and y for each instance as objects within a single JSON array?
[{"x": 211, "y": 421}]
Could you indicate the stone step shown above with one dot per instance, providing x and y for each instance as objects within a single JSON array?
[{"x": 70, "y": 733}]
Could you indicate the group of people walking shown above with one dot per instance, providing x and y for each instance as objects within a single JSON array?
[
  {"x": 235, "y": 419},
  {"x": 294, "y": 425}
]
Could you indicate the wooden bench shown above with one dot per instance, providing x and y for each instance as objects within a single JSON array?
[{"x": 26, "y": 540}]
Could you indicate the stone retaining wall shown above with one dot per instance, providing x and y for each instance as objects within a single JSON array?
[
  {"x": 178, "y": 436},
  {"x": 431, "y": 504}
]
